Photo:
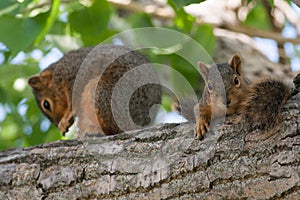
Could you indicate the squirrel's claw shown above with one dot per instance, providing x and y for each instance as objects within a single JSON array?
[
  {"x": 64, "y": 124},
  {"x": 201, "y": 128},
  {"x": 63, "y": 127}
]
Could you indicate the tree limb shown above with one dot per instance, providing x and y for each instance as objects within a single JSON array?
[
  {"x": 163, "y": 162},
  {"x": 253, "y": 32},
  {"x": 297, "y": 2},
  {"x": 165, "y": 13},
  {"x": 157, "y": 12}
]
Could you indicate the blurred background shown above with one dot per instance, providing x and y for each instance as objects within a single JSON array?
[{"x": 36, "y": 33}]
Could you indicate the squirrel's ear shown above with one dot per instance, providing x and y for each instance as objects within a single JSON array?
[
  {"x": 236, "y": 64},
  {"x": 34, "y": 81},
  {"x": 203, "y": 70},
  {"x": 41, "y": 80}
]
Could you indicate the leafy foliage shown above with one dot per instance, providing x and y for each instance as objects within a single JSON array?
[
  {"x": 31, "y": 26},
  {"x": 258, "y": 18},
  {"x": 34, "y": 25},
  {"x": 17, "y": 29},
  {"x": 92, "y": 22},
  {"x": 179, "y": 4}
]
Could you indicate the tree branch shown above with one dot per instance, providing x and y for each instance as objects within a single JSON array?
[
  {"x": 41, "y": 5},
  {"x": 253, "y": 32},
  {"x": 297, "y": 2},
  {"x": 163, "y": 162},
  {"x": 156, "y": 11},
  {"x": 165, "y": 13}
]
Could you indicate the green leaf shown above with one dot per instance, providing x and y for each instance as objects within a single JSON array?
[
  {"x": 12, "y": 7},
  {"x": 185, "y": 69},
  {"x": 4, "y": 4},
  {"x": 50, "y": 20},
  {"x": 19, "y": 34},
  {"x": 205, "y": 36},
  {"x": 258, "y": 18},
  {"x": 12, "y": 132},
  {"x": 166, "y": 102},
  {"x": 138, "y": 20},
  {"x": 38, "y": 137},
  {"x": 91, "y": 22},
  {"x": 58, "y": 28},
  {"x": 201, "y": 45},
  {"x": 183, "y": 21},
  {"x": 7, "y": 7},
  {"x": 178, "y": 4},
  {"x": 13, "y": 95}
]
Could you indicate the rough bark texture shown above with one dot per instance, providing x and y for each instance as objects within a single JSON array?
[
  {"x": 254, "y": 62},
  {"x": 163, "y": 162}
]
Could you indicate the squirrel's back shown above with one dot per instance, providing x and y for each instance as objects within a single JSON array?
[
  {"x": 124, "y": 92},
  {"x": 85, "y": 83}
]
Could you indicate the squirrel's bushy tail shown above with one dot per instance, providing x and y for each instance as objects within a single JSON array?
[{"x": 264, "y": 103}]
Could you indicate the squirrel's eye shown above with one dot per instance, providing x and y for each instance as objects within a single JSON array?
[
  {"x": 236, "y": 81},
  {"x": 46, "y": 105},
  {"x": 209, "y": 86}
]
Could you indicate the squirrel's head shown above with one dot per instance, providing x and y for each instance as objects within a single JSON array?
[
  {"x": 52, "y": 104},
  {"x": 224, "y": 81}
]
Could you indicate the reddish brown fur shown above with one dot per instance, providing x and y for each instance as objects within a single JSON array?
[
  {"x": 70, "y": 84},
  {"x": 44, "y": 89},
  {"x": 258, "y": 104},
  {"x": 263, "y": 106},
  {"x": 212, "y": 101},
  {"x": 55, "y": 85},
  {"x": 89, "y": 122},
  {"x": 236, "y": 96}
]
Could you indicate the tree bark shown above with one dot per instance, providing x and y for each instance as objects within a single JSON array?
[{"x": 162, "y": 162}]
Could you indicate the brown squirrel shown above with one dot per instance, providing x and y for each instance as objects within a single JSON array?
[
  {"x": 227, "y": 91},
  {"x": 82, "y": 84}
]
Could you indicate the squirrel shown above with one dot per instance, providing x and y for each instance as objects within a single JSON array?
[
  {"x": 227, "y": 91},
  {"x": 82, "y": 84}
]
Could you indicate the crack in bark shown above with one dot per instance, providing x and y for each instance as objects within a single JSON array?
[{"x": 227, "y": 164}]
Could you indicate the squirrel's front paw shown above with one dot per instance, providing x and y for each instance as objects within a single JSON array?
[
  {"x": 201, "y": 128},
  {"x": 64, "y": 125}
]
